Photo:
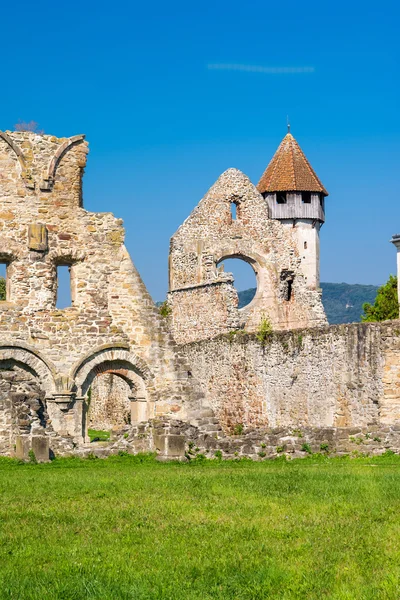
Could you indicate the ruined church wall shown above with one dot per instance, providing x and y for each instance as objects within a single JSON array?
[
  {"x": 210, "y": 235},
  {"x": 43, "y": 225},
  {"x": 338, "y": 376}
]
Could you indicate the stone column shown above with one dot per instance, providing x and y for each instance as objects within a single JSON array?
[
  {"x": 396, "y": 241},
  {"x": 66, "y": 414}
]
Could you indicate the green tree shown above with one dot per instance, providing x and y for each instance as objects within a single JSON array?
[
  {"x": 386, "y": 305},
  {"x": 2, "y": 288}
]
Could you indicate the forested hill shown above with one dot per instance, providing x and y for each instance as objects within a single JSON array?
[{"x": 342, "y": 301}]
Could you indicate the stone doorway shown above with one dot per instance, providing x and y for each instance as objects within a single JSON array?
[
  {"x": 109, "y": 402},
  {"x": 23, "y": 411}
]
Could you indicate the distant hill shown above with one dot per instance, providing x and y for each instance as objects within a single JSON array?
[{"x": 342, "y": 301}]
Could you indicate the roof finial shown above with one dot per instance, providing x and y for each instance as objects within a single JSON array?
[{"x": 288, "y": 124}]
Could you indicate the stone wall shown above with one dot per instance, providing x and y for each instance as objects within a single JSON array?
[
  {"x": 338, "y": 376},
  {"x": 202, "y": 298},
  {"x": 110, "y": 403},
  {"x": 112, "y": 325}
]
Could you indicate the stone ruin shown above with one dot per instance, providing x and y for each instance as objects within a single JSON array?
[{"x": 198, "y": 376}]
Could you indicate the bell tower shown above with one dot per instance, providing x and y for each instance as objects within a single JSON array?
[{"x": 296, "y": 197}]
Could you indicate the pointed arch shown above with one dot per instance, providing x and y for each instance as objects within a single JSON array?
[
  {"x": 49, "y": 176},
  {"x": 16, "y": 150}
]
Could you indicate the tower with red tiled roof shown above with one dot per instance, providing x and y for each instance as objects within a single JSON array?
[{"x": 296, "y": 197}]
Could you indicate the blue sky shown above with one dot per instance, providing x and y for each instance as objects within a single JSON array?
[{"x": 162, "y": 125}]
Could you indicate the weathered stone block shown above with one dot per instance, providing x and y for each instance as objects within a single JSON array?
[
  {"x": 22, "y": 447},
  {"x": 40, "y": 447},
  {"x": 37, "y": 237}
]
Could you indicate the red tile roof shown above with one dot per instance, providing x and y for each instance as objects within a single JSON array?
[{"x": 290, "y": 171}]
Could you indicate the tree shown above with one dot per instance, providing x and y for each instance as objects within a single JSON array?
[
  {"x": 386, "y": 305},
  {"x": 2, "y": 288}
]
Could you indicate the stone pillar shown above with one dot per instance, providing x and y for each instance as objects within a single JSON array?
[
  {"x": 67, "y": 415},
  {"x": 138, "y": 409},
  {"x": 396, "y": 241}
]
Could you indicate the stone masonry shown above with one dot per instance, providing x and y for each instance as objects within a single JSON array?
[
  {"x": 202, "y": 298},
  {"x": 201, "y": 380},
  {"x": 112, "y": 325}
]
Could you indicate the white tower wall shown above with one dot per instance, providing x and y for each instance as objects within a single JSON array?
[{"x": 306, "y": 234}]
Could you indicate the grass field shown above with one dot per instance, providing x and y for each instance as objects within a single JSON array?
[{"x": 129, "y": 527}]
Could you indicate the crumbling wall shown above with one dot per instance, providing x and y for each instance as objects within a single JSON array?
[
  {"x": 112, "y": 319},
  {"x": 202, "y": 298},
  {"x": 338, "y": 376}
]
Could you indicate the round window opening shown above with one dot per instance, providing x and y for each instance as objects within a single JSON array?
[{"x": 245, "y": 280}]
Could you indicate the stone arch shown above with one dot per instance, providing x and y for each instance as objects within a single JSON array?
[
  {"x": 16, "y": 150},
  {"x": 250, "y": 258},
  {"x": 117, "y": 360},
  {"x": 35, "y": 363},
  {"x": 49, "y": 176}
]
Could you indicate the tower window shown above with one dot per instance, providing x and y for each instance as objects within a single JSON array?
[
  {"x": 233, "y": 211},
  {"x": 289, "y": 290},
  {"x": 306, "y": 197},
  {"x": 305, "y": 245},
  {"x": 321, "y": 200},
  {"x": 64, "y": 294},
  {"x": 281, "y": 198},
  {"x": 3, "y": 281}
]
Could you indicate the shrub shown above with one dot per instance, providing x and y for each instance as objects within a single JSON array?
[
  {"x": 280, "y": 449},
  {"x": 355, "y": 440},
  {"x": 264, "y": 332},
  {"x": 324, "y": 447},
  {"x": 297, "y": 432},
  {"x": 262, "y": 454},
  {"x": 218, "y": 454},
  {"x": 32, "y": 456},
  {"x": 28, "y": 126},
  {"x": 165, "y": 309},
  {"x": 238, "y": 429},
  {"x": 306, "y": 448}
]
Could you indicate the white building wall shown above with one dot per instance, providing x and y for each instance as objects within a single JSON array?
[{"x": 306, "y": 234}]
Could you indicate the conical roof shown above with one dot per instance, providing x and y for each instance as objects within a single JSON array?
[{"x": 290, "y": 171}]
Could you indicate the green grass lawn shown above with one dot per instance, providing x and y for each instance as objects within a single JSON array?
[
  {"x": 98, "y": 435},
  {"x": 120, "y": 528}
]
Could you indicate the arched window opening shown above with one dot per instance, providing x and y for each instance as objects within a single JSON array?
[
  {"x": 245, "y": 280},
  {"x": 233, "y": 211}
]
